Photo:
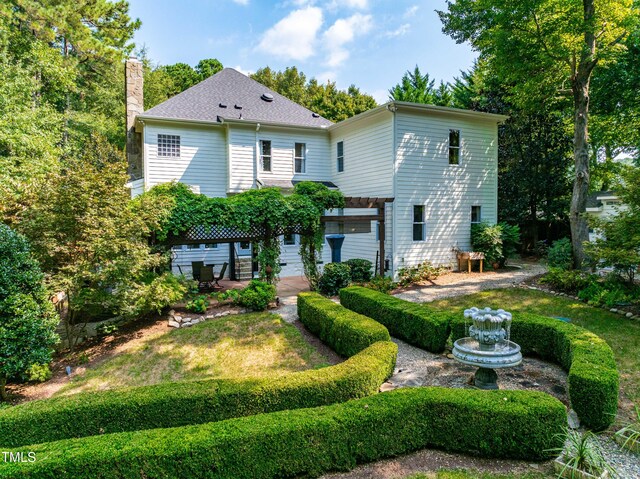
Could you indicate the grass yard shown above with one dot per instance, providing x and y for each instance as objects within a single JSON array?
[
  {"x": 239, "y": 346},
  {"x": 623, "y": 335}
]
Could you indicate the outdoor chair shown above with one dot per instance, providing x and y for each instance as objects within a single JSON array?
[
  {"x": 220, "y": 276},
  {"x": 206, "y": 277},
  {"x": 196, "y": 266}
]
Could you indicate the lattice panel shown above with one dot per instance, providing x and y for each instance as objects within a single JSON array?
[{"x": 225, "y": 234}]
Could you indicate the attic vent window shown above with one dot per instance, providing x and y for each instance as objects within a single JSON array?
[
  {"x": 268, "y": 97},
  {"x": 222, "y": 105},
  {"x": 315, "y": 115},
  {"x": 237, "y": 107}
]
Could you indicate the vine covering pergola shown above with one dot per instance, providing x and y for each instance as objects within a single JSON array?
[{"x": 261, "y": 216}]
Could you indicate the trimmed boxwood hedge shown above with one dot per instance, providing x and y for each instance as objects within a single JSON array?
[
  {"x": 588, "y": 359},
  {"x": 182, "y": 403},
  {"x": 308, "y": 442},
  {"x": 415, "y": 323},
  {"x": 345, "y": 331}
]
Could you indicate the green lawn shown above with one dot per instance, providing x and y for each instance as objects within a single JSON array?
[
  {"x": 623, "y": 335},
  {"x": 239, "y": 346}
]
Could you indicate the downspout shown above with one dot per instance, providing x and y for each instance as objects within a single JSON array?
[
  {"x": 256, "y": 159},
  {"x": 393, "y": 109},
  {"x": 143, "y": 153}
]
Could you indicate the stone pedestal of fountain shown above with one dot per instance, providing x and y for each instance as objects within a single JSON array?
[{"x": 488, "y": 346}]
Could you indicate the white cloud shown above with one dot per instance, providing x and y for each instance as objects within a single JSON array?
[
  {"x": 398, "y": 32},
  {"x": 357, "y": 4},
  {"x": 342, "y": 32},
  {"x": 241, "y": 2},
  {"x": 243, "y": 71},
  {"x": 324, "y": 77},
  {"x": 411, "y": 11},
  {"x": 294, "y": 37}
]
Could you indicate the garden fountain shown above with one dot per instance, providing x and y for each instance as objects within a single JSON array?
[{"x": 489, "y": 346}]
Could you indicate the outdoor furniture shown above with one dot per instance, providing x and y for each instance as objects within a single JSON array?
[
  {"x": 196, "y": 266},
  {"x": 470, "y": 256},
  {"x": 206, "y": 277},
  {"x": 220, "y": 276}
]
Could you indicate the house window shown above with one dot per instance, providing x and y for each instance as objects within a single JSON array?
[
  {"x": 300, "y": 158},
  {"x": 340, "y": 156},
  {"x": 169, "y": 146},
  {"x": 211, "y": 246},
  {"x": 454, "y": 147},
  {"x": 265, "y": 155},
  {"x": 476, "y": 214},
  {"x": 193, "y": 246},
  {"x": 419, "y": 226},
  {"x": 289, "y": 239}
]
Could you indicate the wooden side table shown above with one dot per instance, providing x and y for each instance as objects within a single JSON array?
[{"x": 470, "y": 256}]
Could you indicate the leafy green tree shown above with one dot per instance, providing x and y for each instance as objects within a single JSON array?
[
  {"x": 418, "y": 88},
  {"x": 27, "y": 318},
  {"x": 206, "y": 68},
  {"x": 90, "y": 240},
  {"x": 619, "y": 244},
  {"x": 542, "y": 47}
]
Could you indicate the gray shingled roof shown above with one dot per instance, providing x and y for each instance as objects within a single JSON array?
[
  {"x": 594, "y": 202},
  {"x": 231, "y": 88}
]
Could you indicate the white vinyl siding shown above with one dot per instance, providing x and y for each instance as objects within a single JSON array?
[
  {"x": 201, "y": 163},
  {"x": 242, "y": 144},
  {"x": 424, "y": 176},
  {"x": 183, "y": 256}
]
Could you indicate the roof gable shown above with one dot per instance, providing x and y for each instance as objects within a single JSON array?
[{"x": 230, "y": 95}]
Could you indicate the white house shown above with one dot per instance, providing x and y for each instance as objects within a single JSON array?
[
  {"x": 603, "y": 205},
  {"x": 229, "y": 134}
]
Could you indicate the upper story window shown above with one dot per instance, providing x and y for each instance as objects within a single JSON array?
[
  {"x": 265, "y": 155},
  {"x": 300, "y": 158},
  {"x": 169, "y": 146},
  {"x": 476, "y": 214},
  {"x": 454, "y": 147},
  {"x": 419, "y": 225},
  {"x": 340, "y": 156}
]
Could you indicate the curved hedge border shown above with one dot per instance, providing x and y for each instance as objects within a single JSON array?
[
  {"x": 179, "y": 404},
  {"x": 413, "y": 322},
  {"x": 588, "y": 359},
  {"x": 345, "y": 331},
  {"x": 308, "y": 442}
]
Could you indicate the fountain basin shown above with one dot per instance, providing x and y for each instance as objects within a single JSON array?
[{"x": 505, "y": 354}]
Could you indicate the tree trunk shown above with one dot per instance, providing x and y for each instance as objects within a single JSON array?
[
  {"x": 580, "y": 87},
  {"x": 578, "y": 221},
  {"x": 3, "y": 389}
]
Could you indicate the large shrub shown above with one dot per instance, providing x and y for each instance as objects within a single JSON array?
[
  {"x": 497, "y": 242},
  {"x": 593, "y": 377},
  {"x": 361, "y": 270},
  {"x": 345, "y": 331},
  {"x": 415, "y": 323},
  {"x": 335, "y": 276},
  {"x": 568, "y": 281},
  {"x": 560, "y": 254},
  {"x": 27, "y": 318},
  {"x": 257, "y": 295},
  {"x": 422, "y": 272},
  {"x": 178, "y": 404},
  {"x": 309, "y": 442}
]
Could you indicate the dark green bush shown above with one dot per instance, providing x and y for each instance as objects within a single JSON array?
[
  {"x": 179, "y": 404},
  {"x": 560, "y": 254},
  {"x": 309, "y": 442},
  {"x": 257, "y": 295},
  {"x": 570, "y": 281},
  {"x": 345, "y": 331},
  {"x": 415, "y": 323},
  {"x": 335, "y": 276},
  {"x": 384, "y": 284},
  {"x": 593, "y": 377},
  {"x": 361, "y": 270},
  {"x": 497, "y": 242}
]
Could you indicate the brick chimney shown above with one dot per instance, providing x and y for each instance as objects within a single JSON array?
[{"x": 135, "y": 106}]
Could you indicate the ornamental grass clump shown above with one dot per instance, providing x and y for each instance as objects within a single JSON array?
[{"x": 581, "y": 453}]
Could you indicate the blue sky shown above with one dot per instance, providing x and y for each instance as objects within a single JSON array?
[{"x": 369, "y": 43}]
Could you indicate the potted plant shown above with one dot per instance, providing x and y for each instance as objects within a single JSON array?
[
  {"x": 629, "y": 436},
  {"x": 582, "y": 458}
]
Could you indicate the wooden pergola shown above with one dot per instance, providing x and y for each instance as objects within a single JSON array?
[
  {"x": 365, "y": 202},
  {"x": 223, "y": 234}
]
